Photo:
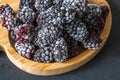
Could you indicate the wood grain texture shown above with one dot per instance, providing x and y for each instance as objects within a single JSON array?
[{"x": 47, "y": 69}]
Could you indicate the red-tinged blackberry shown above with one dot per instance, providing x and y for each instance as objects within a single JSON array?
[
  {"x": 60, "y": 50},
  {"x": 26, "y": 15},
  {"x": 9, "y": 22},
  {"x": 25, "y": 49},
  {"x": 27, "y": 3},
  {"x": 43, "y": 55},
  {"x": 92, "y": 42},
  {"x": 13, "y": 35},
  {"x": 78, "y": 5},
  {"x": 77, "y": 29},
  {"x": 72, "y": 45},
  {"x": 47, "y": 16},
  {"x": 6, "y": 10},
  {"x": 25, "y": 33},
  {"x": 47, "y": 35},
  {"x": 105, "y": 10},
  {"x": 42, "y": 5},
  {"x": 66, "y": 14}
]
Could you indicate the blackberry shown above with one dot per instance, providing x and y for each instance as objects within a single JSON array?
[
  {"x": 92, "y": 42},
  {"x": 43, "y": 55},
  {"x": 25, "y": 33},
  {"x": 6, "y": 10},
  {"x": 72, "y": 45},
  {"x": 47, "y": 16},
  {"x": 27, "y": 3},
  {"x": 42, "y": 5},
  {"x": 66, "y": 14},
  {"x": 25, "y": 49},
  {"x": 93, "y": 18},
  {"x": 77, "y": 29},
  {"x": 26, "y": 15},
  {"x": 60, "y": 50},
  {"x": 9, "y": 22},
  {"x": 105, "y": 10},
  {"x": 47, "y": 35},
  {"x": 78, "y": 5}
]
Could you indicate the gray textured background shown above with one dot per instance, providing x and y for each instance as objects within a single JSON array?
[{"x": 105, "y": 66}]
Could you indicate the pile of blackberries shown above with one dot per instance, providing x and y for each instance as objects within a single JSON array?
[{"x": 51, "y": 30}]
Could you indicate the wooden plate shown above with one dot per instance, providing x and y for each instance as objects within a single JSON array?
[{"x": 50, "y": 68}]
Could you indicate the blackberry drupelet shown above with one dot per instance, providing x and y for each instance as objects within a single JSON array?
[
  {"x": 72, "y": 45},
  {"x": 26, "y": 15},
  {"x": 43, "y": 55},
  {"x": 60, "y": 50},
  {"x": 25, "y": 33},
  {"x": 47, "y": 35},
  {"x": 25, "y": 49},
  {"x": 27, "y": 3},
  {"x": 9, "y": 22},
  {"x": 77, "y": 29},
  {"x": 42, "y": 5},
  {"x": 6, "y": 10},
  {"x": 92, "y": 42}
]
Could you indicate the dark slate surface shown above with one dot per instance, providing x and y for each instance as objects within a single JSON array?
[{"x": 105, "y": 66}]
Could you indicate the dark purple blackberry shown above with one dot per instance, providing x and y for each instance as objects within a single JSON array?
[
  {"x": 78, "y": 5},
  {"x": 93, "y": 18},
  {"x": 47, "y": 16},
  {"x": 105, "y": 10},
  {"x": 9, "y": 22},
  {"x": 77, "y": 29},
  {"x": 13, "y": 35},
  {"x": 92, "y": 42},
  {"x": 25, "y": 33},
  {"x": 47, "y": 35},
  {"x": 66, "y": 15},
  {"x": 25, "y": 49},
  {"x": 6, "y": 10},
  {"x": 43, "y": 55},
  {"x": 42, "y": 5},
  {"x": 60, "y": 50},
  {"x": 72, "y": 45},
  {"x": 26, "y": 15},
  {"x": 27, "y": 3}
]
